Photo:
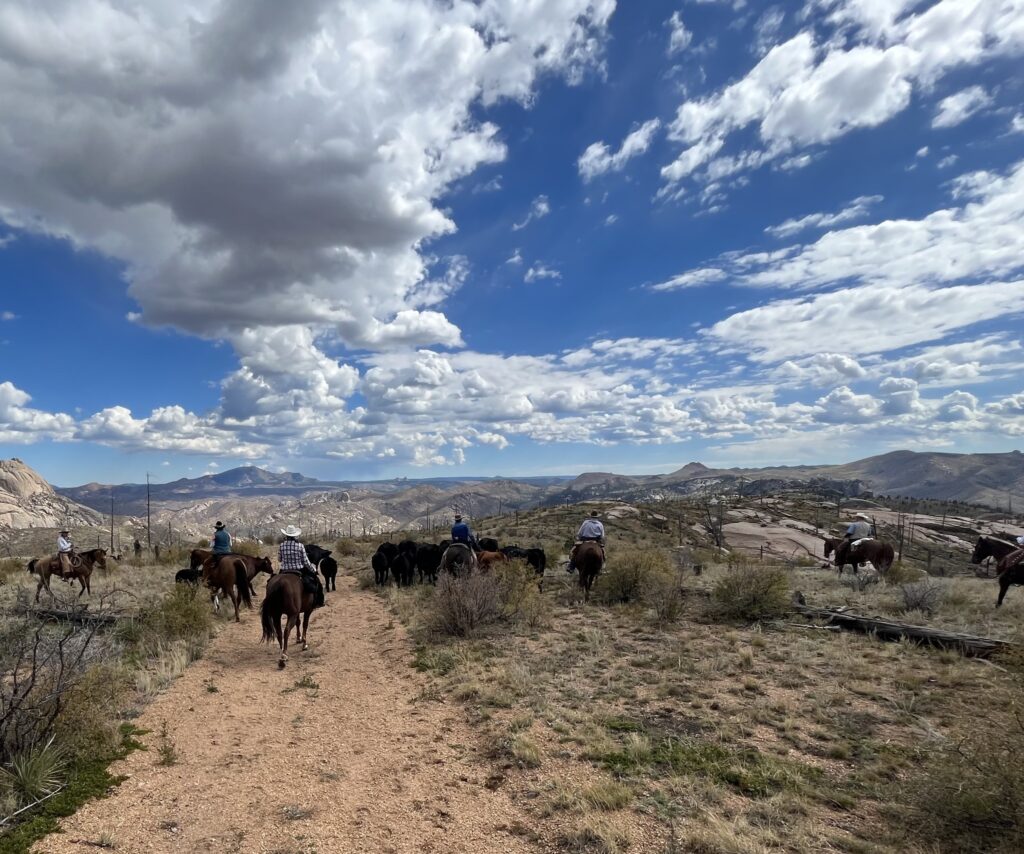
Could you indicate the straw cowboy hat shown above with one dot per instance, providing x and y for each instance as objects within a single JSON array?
[
  {"x": 291, "y": 531},
  {"x": 863, "y": 516}
]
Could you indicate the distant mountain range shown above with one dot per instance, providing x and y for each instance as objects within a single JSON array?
[{"x": 991, "y": 479}]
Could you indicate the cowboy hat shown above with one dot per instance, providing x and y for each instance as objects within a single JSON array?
[
  {"x": 863, "y": 516},
  {"x": 218, "y": 525},
  {"x": 593, "y": 513},
  {"x": 458, "y": 517},
  {"x": 291, "y": 531},
  {"x": 64, "y": 531}
]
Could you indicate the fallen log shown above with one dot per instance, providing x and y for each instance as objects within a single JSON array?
[
  {"x": 971, "y": 645},
  {"x": 82, "y": 616}
]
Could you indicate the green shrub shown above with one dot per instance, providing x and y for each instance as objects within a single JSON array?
[
  {"x": 663, "y": 591},
  {"x": 900, "y": 573},
  {"x": 251, "y": 548},
  {"x": 182, "y": 615},
  {"x": 347, "y": 547},
  {"x": 625, "y": 578},
  {"x": 34, "y": 773},
  {"x": 749, "y": 592}
]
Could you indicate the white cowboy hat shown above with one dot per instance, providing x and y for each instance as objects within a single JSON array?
[
  {"x": 863, "y": 516},
  {"x": 291, "y": 531}
]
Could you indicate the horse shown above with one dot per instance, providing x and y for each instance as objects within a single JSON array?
[
  {"x": 253, "y": 567},
  {"x": 458, "y": 557},
  {"x": 224, "y": 575},
  {"x": 198, "y": 557},
  {"x": 1009, "y": 570},
  {"x": 328, "y": 567},
  {"x": 286, "y": 596},
  {"x": 987, "y": 547},
  {"x": 81, "y": 568},
  {"x": 379, "y": 562},
  {"x": 589, "y": 561},
  {"x": 878, "y": 553}
]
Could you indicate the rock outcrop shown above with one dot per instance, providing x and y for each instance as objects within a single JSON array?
[{"x": 28, "y": 501}]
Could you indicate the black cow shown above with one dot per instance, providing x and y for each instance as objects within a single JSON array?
[
  {"x": 487, "y": 544},
  {"x": 514, "y": 553},
  {"x": 537, "y": 559},
  {"x": 188, "y": 576},
  {"x": 409, "y": 547},
  {"x": 389, "y": 550},
  {"x": 329, "y": 567},
  {"x": 316, "y": 553},
  {"x": 428, "y": 561},
  {"x": 379, "y": 562},
  {"x": 402, "y": 569}
]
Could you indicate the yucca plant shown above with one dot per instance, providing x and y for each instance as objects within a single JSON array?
[{"x": 35, "y": 773}]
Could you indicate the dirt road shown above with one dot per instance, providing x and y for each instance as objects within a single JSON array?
[{"x": 340, "y": 752}]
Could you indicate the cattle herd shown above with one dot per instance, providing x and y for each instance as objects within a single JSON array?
[{"x": 402, "y": 562}]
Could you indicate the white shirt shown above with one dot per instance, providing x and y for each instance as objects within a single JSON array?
[
  {"x": 63, "y": 545},
  {"x": 1020, "y": 541},
  {"x": 591, "y": 528}
]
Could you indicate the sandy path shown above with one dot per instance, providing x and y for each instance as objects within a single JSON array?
[{"x": 382, "y": 768}]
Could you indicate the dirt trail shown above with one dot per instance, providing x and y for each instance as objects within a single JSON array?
[{"x": 381, "y": 767}]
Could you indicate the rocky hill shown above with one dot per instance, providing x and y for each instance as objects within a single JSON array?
[{"x": 28, "y": 501}]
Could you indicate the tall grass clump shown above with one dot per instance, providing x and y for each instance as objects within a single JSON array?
[
  {"x": 182, "y": 616},
  {"x": 519, "y": 592},
  {"x": 625, "y": 578},
  {"x": 747, "y": 592}
]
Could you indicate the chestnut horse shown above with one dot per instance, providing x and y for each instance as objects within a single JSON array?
[
  {"x": 286, "y": 596},
  {"x": 589, "y": 561},
  {"x": 81, "y": 568},
  {"x": 224, "y": 576}
]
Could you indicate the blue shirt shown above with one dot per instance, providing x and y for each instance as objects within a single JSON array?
[
  {"x": 461, "y": 533},
  {"x": 222, "y": 542}
]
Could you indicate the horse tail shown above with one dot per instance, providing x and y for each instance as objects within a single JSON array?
[
  {"x": 32, "y": 565},
  {"x": 242, "y": 583},
  {"x": 268, "y": 617},
  {"x": 885, "y": 558}
]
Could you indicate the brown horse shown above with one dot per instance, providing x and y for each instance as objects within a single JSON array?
[
  {"x": 457, "y": 558},
  {"x": 589, "y": 561},
  {"x": 254, "y": 566},
  {"x": 198, "y": 557},
  {"x": 224, "y": 576},
  {"x": 880, "y": 554},
  {"x": 286, "y": 596},
  {"x": 1009, "y": 570},
  {"x": 82, "y": 565}
]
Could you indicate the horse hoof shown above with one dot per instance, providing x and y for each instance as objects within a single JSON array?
[
  {"x": 282, "y": 661},
  {"x": 305, "y": 646}
]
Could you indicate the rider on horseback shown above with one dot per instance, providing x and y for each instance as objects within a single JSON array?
[
  {"x": 293, "y": 558},
  {"x": 221, "y": 540},
  {"x": 860, "y": 528},
  {"x": 592, "y": 530},
  {"x": 462, "y": 534},
  {"x": 65, "y": 552}
]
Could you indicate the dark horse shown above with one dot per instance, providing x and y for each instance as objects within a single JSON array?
[
  {"x": 881, "y": 555},
  {"x": 81, "y": 569},
  {"x": 458, "y": 558},
  {"x": 286, "y": 596},
  {"x": 1009, "y": 570},
  {"x": 225, "y": 575},
  {"x": 987, "y": 547},
  {"x": 253, "y": 567},
  {"x": 589, "y": 561}
]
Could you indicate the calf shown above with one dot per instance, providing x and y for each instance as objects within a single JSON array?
[
  {"x": 537, "y": 559},
  {"x": 328, "y": 567},
  {"x": 188, "y": 576}
]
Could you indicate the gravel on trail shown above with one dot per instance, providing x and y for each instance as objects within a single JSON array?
[{"x": 342, "y": 751}]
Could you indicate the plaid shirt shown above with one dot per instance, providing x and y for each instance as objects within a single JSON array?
[{"x": 293, "y": 557}]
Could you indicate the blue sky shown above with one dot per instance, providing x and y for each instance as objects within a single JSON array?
[{"x": 390, "y": 238}]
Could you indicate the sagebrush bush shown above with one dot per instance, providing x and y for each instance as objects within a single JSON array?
[
  {"x": 970, "y": 796},
  {"x": 625, "y": 578},
  {"x": 10, "y": 566},
  {"x": 250, "y": 548},
  {"x": 663, "y": 591},
  {"x": 463, "y": 605},
  {"x": 750, "y": 592},
  {"x": 924, "y": 596},
  {"x": 347, "y": 547},
  {"x": 900, "y": 573},
  {"x": 518, "y": 589}
]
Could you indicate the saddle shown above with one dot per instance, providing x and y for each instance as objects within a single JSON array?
[
  {"x": 311, "y": 584},
  {"x": 1013, "y": 559}
]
